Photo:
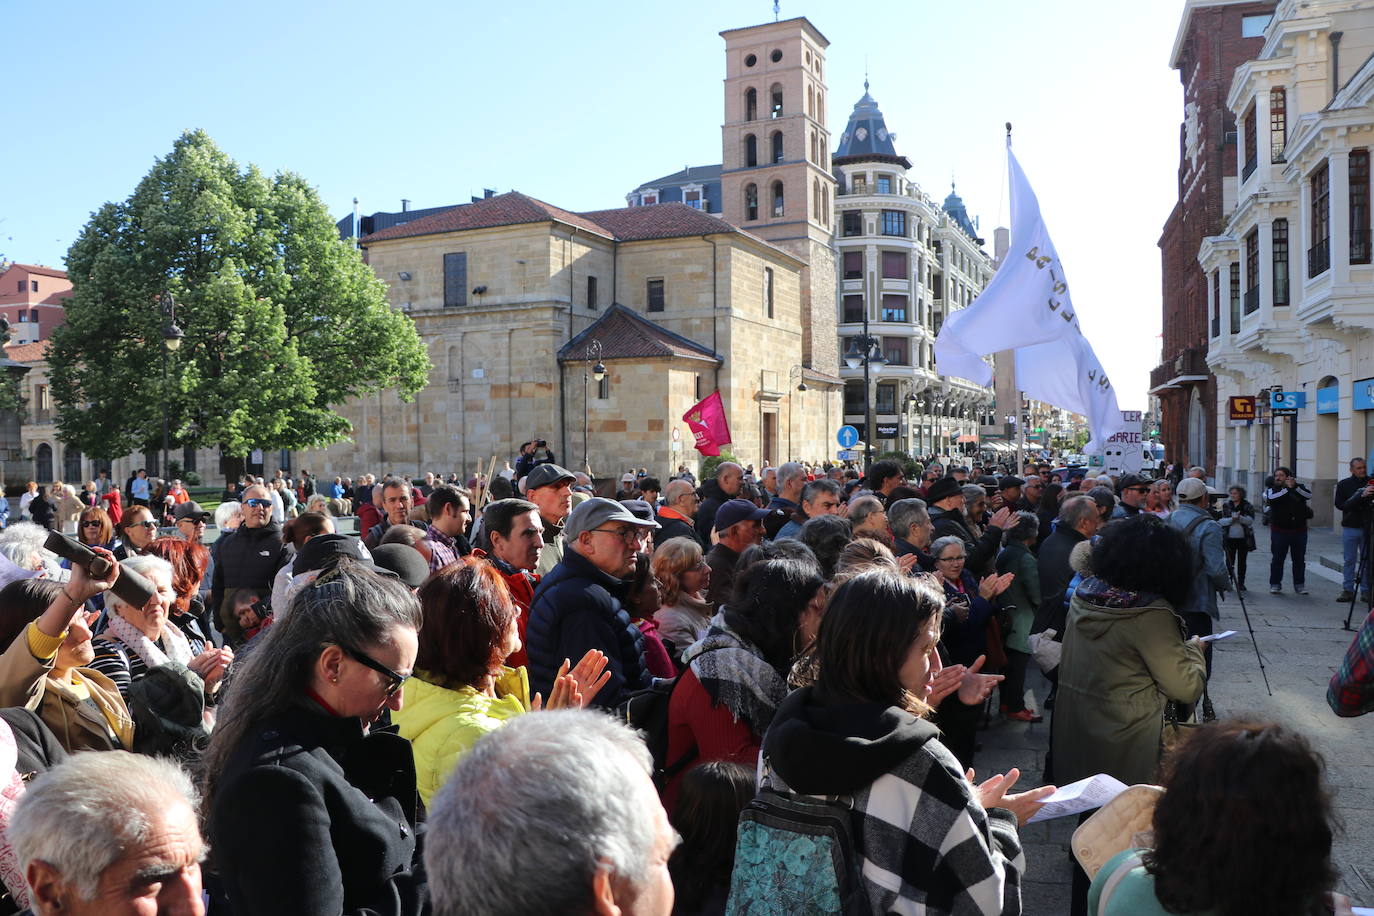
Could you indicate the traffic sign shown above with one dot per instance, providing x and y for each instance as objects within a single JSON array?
[
  {"x": 847, "y": 436},
  {"x": 847, "y": 454}
]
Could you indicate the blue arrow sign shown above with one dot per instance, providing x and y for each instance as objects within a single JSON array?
[{"x": 847, "y": 436}]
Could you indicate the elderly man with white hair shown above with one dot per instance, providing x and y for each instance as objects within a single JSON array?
[
  {"x": 109, "y": 833},
  {"x": 22, "y": 544},
  {"x": 573, "y": 823}
]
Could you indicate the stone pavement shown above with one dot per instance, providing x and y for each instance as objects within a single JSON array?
[{"x": 1302, "y": 642}]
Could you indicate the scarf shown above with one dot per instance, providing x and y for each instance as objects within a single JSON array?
[
  {"x": 735, "y": 674},
  {"x": 11, "y": 790},
  {"x": 177, "y": 644},
  {"x": 1095, "y": 591}
]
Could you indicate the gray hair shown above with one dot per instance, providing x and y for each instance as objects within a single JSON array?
[
  {"x": 861, "y": 508},
  {"x": 788, "y": 472},
  {"x": 675, "y": 490},
  {"x": 21, "y": 541},
  {"x": 817, "y": 487},
  {"x": 904, "y": 513},
  {"x": 143, "y": 564},
  {"x": 227, "y": 510},
  {"x": 1197, "y": 472},
  {"x": 1074, "y": 510},
  {"x": 972, "y": 493},
  {"x": 1026, "y": 527},
  {"x": 81, "y": 816},
  {"x": 347, "y": 606},
  {"x": 568, "y": 789},
  {"x": 941, "y": 543}
]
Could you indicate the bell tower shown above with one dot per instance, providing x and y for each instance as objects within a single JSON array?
[{"x": 775, "y": 174}]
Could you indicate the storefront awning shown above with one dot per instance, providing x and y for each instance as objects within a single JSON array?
[{"x": 963, "y": 439}]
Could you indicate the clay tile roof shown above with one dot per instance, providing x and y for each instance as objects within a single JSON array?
[
  {"x": 661, "y": 221},
  {"x": 42, "y": 271},
  {"x": 625, "y": 334},
  {"x": 510, "y": 209},
  {"x": 27, "y": 352}
]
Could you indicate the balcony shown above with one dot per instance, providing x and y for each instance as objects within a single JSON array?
[
  {"x": 1319, "y": 258},
  {"x": 1188, "y": 367},
  {"x": 1249, "y": 168},
  {"x": 42, "y": 415}
]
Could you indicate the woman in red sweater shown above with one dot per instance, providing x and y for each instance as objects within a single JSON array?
[{"x": 737, "y": 673}]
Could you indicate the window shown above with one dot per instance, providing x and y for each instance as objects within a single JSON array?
[
  {"x": 692, "y": 198},
  {"x": 591, "y": 293},
  {"x": 775, "y": 110},
  {"x": 750, "y": 60},
  {"x": 853, "y": 397},
  {"x": 858, "y": 184},
  {"x": 455, "y": 279},
  {"x": 1278, "y": 123},
  {"x": 603, "y": 387},
  {"x": 34, "y": 287},
  {"x": 1216, "y": 303},
  {"x": 884, "y": 184},
  {"x": 815, "y": 148},
  {"x": 886, "y": 401},
  {"x": 751, "y": 150},
  {"x": 1279, "y": 253},
  {"x": 894, "y": 307},
  {"x": 777, "y": 146},
  {"x": 1254, "y": 26},
  {"x": 1359, "y": 206},
  {"x": 851, "y": 223},
  {"x": 894, "y": 265},
  {"x": 853, "y": 309},
  {"x": 768, "y": 291},
  {"x": 897, "y": 351},
  {"x": 648, "y": 198},
  {"x": 654, "y": 294},
  {"x": 21, "y": 286},
  {"x": 188, "y": 460},
  {"x": 894, "y": 221},
  {"x": 1319, "y": 255},
  {"x": 751, "y": 202},
  {"x": 777, "y": 198},
  {"x": 751, "y": 103},
  {"x": 1235, "y": 296},
  {"x": 853, "y": 265},
  {"x": 1251, "y": 141},
  {"x": 696, "y": 386},
  {"x": 1252, "y": 282}
]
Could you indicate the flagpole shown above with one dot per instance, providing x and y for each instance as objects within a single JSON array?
[{"x": 1020, "y": 429}]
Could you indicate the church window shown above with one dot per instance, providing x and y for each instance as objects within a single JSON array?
[
  {"x": 455, "y": 279},
  {"x": 777, "y": 146},
  {"x": 654, "y": 294},
  {"x": 852, "y": 223},
  {"x": 591, "y": 292},
  {"x": 603, "y": 387},
  {"x": 816, "y": 199},
  {"x": 751, "y": 202},
  {"x": 768, "y": 291},
  {"x": 776, "y": 110},
  {"x": 751, "y": 150},
  {"x": 775, "y": 56},
  {"x": 825, "y": 205},
  {"x": 777, "y": 198},
  {"x": 810, "y": 101},
  {"x": 751, "y": 104},
  {"x": 750, "y": 60}
]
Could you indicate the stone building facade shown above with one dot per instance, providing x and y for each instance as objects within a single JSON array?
[{"x": 1290, "y": 283}]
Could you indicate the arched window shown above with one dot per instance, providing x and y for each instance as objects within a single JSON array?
[
  {"x": 751, "y": 104},
  {"x": 42, "y": 463},
  {"x": 816, "y": 199},
  {"x": 751, "y": 150},
  {"x": 751, "y": 201},
  {"x": 71, "y": 467},
  {"x": 825, "y": 205},
  {"x": 820, "y": 107},
  {"x": 777, "y": 146},
  {"x": 814, "y": 157},
  {"x": 777, "y": 198},
  {"x": 776, "y": 110},
  {"x": 810, "y": 101}
]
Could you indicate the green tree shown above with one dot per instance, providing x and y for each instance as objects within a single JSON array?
[{"x": 282, "y": 320}]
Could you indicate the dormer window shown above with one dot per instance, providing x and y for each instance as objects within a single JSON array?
[
  {"x": 648, "y": 198},
  {"x": 693, "y": 196}
]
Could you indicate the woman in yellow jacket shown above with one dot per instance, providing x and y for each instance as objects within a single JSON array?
[{"x": 462, "y": 688}]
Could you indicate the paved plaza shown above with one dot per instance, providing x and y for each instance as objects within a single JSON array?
[{"x": 1302, "y": 641}]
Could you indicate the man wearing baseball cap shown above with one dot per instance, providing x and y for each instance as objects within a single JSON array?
[
  {"x": 191, "y": 519},
  {"x": 1131, "y": 489},
  {"x": 578, "y": 608},
  {"x": 739, "y": 523},
  {"x": 1204, "y": 536},
  {"x": 549, "y": 487}
]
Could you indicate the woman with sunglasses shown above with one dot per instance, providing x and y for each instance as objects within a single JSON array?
[
  {"x": 45, "y": 667},
  {"x": 94, "y": 528},
  {"x": 309, "y": 812},
  {"x": 135, "y": 533}
]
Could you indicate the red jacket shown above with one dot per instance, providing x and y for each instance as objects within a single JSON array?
[
  {"x": 368, "y": 515},
  {"x": 521, "y": 584},
  {"x": 695, "y": 722}
]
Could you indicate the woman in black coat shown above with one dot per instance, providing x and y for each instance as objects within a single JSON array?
[{"x": 310, "y": 812}]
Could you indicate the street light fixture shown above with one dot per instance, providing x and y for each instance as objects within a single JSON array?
[
  {"x": 598, "y": 372},
  {"x": 866, "y": 351},
  {"x": 171, "y": 342}
]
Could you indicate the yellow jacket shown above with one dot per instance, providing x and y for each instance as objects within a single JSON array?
[{"x": 443, "y": 724}]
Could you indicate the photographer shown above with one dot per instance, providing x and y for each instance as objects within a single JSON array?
[
  {"x": 1353, "y": 498},
  {"x": 1289, "y": 505},
  {"x": 532, "y": 453}
]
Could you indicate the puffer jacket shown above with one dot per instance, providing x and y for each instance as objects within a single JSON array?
[
  {"x": 712, "y": 498},
  {"x": 442, "y": 724},
  {"x": 247, "y": 558},
  {"x": 577, "y": 607}
]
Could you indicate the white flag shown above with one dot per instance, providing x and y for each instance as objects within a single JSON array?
[
  {"x": 1027, "y": 302},
  {"x": 1067, "y": 374}
]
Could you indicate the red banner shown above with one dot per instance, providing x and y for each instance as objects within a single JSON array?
[{"x": 707, "y": 422}]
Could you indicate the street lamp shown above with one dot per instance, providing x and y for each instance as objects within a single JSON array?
[
  {"x": 866, "y": 351},
  {"x": 594, "y": 367},
  {"x": 939, "y": 403},
  {"x": 798, "y": 373},
  {"x": 171, "y": 342}
]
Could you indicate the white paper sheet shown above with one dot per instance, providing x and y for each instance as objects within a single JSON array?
[
  {"x": 1227, "y": 634},
  {"x": 1077, "y": 797},
  {"x": 1363, "y": 910}
]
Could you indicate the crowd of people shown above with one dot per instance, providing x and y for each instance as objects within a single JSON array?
[{"x": 520, "y": 695}]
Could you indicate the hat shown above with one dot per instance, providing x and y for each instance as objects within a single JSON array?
[
  {"x": 545, "y": 475},
  {"x": 734, "y": 511},
  {"x": 943, "y": 488},
  {"x": 192, "y": 510},
  {"x": 404, "y": 561},
  {"x": 1191, "y": 488},
  {"x": 597, "y": 511},
  {"x": 1006, "y": 483},
  {"x": 324, "y": 550},
  {"x": 1130, "y": 480},
  {"x": 627, "y": 477},
  {"x": 639, "y": 508}
]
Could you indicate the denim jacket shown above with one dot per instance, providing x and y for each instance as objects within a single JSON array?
[{"x": 1209, "y": 574}]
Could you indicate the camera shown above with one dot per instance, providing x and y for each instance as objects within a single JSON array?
[{"x": 541, "y": 443}]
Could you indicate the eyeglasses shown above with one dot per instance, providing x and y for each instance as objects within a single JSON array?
[
  {"x": 191, "y": 521},
  {"x": 958, "y": 559},
  {"x": 90, "y": 524},
  {"x": 628, "y": 535},
  {"x": 1139, "y": 489},
  {"x": 258, "y": 503},
  {"x": 147, "y": 523},
  {"x": 396, "y": 680}
]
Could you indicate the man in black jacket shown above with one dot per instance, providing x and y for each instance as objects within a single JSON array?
[
  {"x": 1353, "y": 498},
  {"x": 247, "y": 558},
  {"x": 1079, "y": 520},
  {"x": 912, "y": 530},
  {"x": 714, "y": 494},
  {"x": 946, "y": 498},
  {"x": 1289, "y": 504},
  {"x": 675, "y": 516}
]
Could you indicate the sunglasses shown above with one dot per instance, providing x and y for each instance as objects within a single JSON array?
[
  {"x": 90, "y": 524},
  {"x": 144, "y": 524},
  {"x": 396, "y": 681},
  {"x": 258, "y": 503}
]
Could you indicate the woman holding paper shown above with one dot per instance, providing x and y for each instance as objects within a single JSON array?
[{"x": 1125, "y": 655}]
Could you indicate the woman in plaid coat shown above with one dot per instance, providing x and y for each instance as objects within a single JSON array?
[{"x": 929, "y": 840}]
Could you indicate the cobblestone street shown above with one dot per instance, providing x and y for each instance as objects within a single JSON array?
[{"x": 1302, "y": 641}]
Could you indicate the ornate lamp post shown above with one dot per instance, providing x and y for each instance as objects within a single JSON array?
[
  {"x": 596, "y": 369},
  {"x": 171, "y": 342},
  {"x": 866, "y": 350}
]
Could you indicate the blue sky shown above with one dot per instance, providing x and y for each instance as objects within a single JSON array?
[{"x": 577, "y": 103}]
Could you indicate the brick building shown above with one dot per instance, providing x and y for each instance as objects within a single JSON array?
[
  {"x": 1214, "y": 38},
  {"x": 32, "y": 299}
]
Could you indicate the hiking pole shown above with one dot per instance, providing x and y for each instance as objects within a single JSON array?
[{"x": 1251, "y": 627}]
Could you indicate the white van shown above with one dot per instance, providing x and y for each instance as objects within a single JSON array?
[{"x": 1154, "y": 458}]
